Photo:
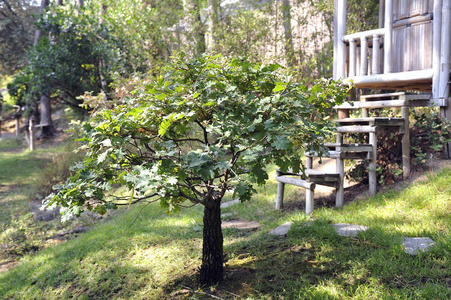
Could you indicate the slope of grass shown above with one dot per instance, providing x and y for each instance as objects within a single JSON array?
[
  {"x": 142, "y": 253},
  {"x": 18, "y": 170}
]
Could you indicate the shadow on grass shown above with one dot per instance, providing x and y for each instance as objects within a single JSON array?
[{"x": 158, "y": 256}]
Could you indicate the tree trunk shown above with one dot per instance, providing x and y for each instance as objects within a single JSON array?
[
  {"x": 38, "y": 34},
  {"x": 101, "y": 60},
  {"x": 214, "y": 23},
  {"x": 48, "y": 130},
  {"x": 289, "y": 49},
  {"x": 192, "y": 11},
  {"x": 211, "y": 270}
]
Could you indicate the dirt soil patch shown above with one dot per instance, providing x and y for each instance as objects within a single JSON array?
[{"x": 240, "y": 224}]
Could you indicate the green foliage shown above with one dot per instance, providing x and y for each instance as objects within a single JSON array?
[
  {"x": 16, "y": 33},
  {"x": 196, "y": 130},
  {"x": 430, "y": 134},
  {"x": 157, "y": 256},
  {"x": 74, "y": 57}
]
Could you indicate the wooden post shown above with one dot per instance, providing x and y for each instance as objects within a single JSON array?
[
  {"x": 376, "y": 54},
  {"x": 309, "y": 196},
  {"x": 405, "y": 143},
  {"x": 17, "y": 126},
  {"x": 381, "y": 13},
  {"x": 437, "y": 32},
  {"x": 309, "y": 163},
  {"x": 32, "y": 132},
  {"x": 280, "y": 192},
  {"x": 340, "y": 190},
  {"x": 388, "y": 40},
  {"x": 445, "y": 53},
  {"x": 352, "y": 57},
  {"x": 340, "y": 32},
  {"x": 363, "y": 56},
  {"x": 372, "y": 175}
]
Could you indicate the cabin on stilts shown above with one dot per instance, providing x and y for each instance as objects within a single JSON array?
[{"x": 410, "y": 54}]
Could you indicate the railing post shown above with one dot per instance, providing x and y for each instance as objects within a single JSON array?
[
  {"x": 363, "y": 57},
  {"x": 352, "y": 57},
  {"x": 376, "y": 53},
  {"x": 388, "y": 40}
]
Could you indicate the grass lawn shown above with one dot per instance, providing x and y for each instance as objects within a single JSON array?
[
  {"x": 18, "y": 172},
  {"x": 142, "y": 253}
]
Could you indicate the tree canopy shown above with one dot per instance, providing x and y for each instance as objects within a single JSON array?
[
  {"x": 17, "y": 28},
  {"x": 196, "y": 130}
]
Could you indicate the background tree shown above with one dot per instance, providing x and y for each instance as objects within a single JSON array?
[
  {"x": 195, "y": 131},
  {"x": 16, "y": 33}
]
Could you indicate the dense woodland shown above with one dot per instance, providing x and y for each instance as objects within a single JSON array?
[{"x": 62, "y": 49}]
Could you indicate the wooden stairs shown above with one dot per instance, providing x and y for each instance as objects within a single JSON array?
[{"x": 342, "y": 150}]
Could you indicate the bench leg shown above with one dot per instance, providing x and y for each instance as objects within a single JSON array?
[
  {"x": 309, "y": 197},
  {"x": 280, "y": 191},
  {"x": 340, "y": 189}
]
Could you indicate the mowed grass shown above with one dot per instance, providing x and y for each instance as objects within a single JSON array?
[
  {"x": 19, "y": 169},
  {"x": 142, "y": 253}
]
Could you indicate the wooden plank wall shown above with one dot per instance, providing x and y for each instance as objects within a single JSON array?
[{"x": 412, "y": 35}]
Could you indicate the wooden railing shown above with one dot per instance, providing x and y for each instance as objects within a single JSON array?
[{"x": 368, "y": 58}]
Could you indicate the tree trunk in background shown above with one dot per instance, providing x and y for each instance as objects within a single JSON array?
[
  {"x": 101, "y": 62},
  {"x": 213, "y": 6},
  {"x": 212, "y": 270},
  {"x": 59, "y": 2},
  {"x": 38, "y": 34},
  {"x": 192, "y": 12},
  {"x": 47, "y": 129},
  {"x": 289, "y": 49}
]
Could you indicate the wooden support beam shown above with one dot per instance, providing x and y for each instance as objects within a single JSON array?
[
  {"x": 356, "y": 129},
  {"x": 405, "y": 143},
  {"x": 436, "y": 48},
  {"x": 32, "y": 133},
  {"x": 445, "y": 58},
  {"x": 372, "y": 166},
  {"x": 388, "y": 40},
  {"x": 340, "y": 32},
  {"x": 340, "y": 168}
]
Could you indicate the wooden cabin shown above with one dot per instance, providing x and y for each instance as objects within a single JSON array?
[{"x": 409, "y": 52}]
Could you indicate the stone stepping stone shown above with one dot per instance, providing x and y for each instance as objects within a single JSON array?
[
  {"x": 416, "y": 245},
  {"x": 230, "y": 203},
  {"x": 348, "y": 230},
  {"x": 282, "y": 230},
  {"x": 240, "y": 224}
]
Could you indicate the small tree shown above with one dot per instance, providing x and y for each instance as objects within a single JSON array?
[{"x": 201, "y": 128}]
